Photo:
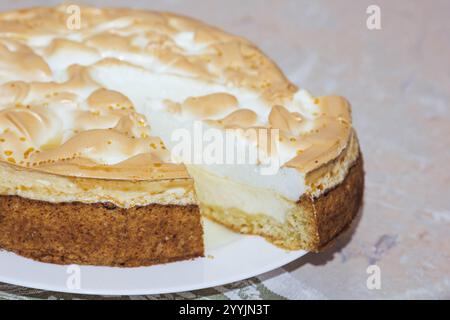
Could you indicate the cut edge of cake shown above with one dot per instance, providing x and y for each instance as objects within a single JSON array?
[
  {"x": 319, "y": 216},
  {"x": 100, "y": 234}
]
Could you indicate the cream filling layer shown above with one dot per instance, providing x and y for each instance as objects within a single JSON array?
[
  {"x": 214, "y": 190},
  {"x": 219, "y": 191}
]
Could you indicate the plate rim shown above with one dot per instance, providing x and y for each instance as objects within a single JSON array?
[{"x": 231, "y": 278}]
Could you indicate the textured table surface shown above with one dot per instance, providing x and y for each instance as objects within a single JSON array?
[{"x": 398, "y": 81}]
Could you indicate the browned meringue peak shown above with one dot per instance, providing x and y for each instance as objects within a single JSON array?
[
  {"x": 138, "y": 168},
  {"x": 104, "y": 146},
  {"x": 131, "y": 124},
  {"x": 19, "y": 62},
  {"x": 193, "y": 66},
  {"x": 104, "y": 99},
  {"x": 79, "y": 81},
  {"x": 326, "y": 138},
  {"x": 24, "y": 128},
  {"x": 281, "y": 118},
  {"x": 36, "y": 22},
  {"x": 204, "y": 107},
  {"x": 241, "y": 118},
  {"x": 13, "y": 92},
  {"x": 210, "y": 105},
  {"x": 105, "y": 42},
  {"x": 63, "y": 48}
]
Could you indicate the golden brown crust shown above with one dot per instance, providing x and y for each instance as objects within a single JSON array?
[
  {"x": 333, "y": 211},
  {"x": 100, "y": 234}
]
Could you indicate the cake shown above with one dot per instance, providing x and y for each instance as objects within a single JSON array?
[{"x": 103, "y": 123}]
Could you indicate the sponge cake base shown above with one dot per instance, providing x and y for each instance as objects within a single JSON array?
[{"x": 100, "y": 234}]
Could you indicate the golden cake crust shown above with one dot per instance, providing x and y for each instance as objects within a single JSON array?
[
  {"x": 332, "y": 212},
  {"x": 100, "y": 234}
]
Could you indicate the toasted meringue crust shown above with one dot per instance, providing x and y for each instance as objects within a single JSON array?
[
  {"x": 54, "y": 188},
  {"x": 60, "y": 111}
]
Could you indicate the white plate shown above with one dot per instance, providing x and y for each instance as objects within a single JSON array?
[{"x": 230, "y": 257}]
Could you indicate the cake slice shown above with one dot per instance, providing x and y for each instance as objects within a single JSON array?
[
  {"x": 310, "y": 222},
  {"x": 100, "y": 221}
]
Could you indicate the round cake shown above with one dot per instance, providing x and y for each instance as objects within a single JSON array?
[{"x": 120, "y": 129}]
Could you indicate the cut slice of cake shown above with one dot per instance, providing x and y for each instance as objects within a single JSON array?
[
  {"x": 331, "y": 201},
  {"x": 100, "y": 221}
]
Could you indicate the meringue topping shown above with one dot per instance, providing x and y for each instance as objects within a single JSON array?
[{"x": 84, "y": 102}]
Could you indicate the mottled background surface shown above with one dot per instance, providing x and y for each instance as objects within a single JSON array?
[{"x": 398, "y": 81}]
